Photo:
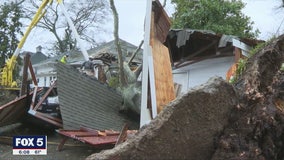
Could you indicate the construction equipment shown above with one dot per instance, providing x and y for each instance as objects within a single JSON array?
[
  {"x": 7, "y": 81},
  {"x": 6, "y": 76}
]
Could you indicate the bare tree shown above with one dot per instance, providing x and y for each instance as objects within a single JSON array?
[
  {"x": 116, "y": 38},
  {"x": 87, "y": 16}
]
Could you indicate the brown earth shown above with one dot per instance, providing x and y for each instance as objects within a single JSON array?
[
  {"x": 243, "y": 121},
  {"x": 257, "y": 127}
]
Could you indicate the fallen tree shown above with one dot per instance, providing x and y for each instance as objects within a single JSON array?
[
  {"x": 218, "y": 120},
  {"x": 256, "y": 129}
]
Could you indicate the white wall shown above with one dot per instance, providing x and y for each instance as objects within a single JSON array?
[
  {"x": 46, "y": 81},
  {"x": 199, "y": 73},
  {"x": 45, "y": 74},
  {"x": 182, "y": 79}
]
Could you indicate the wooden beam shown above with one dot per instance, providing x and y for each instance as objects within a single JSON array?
[
  {"x": 46, "y": 118},
  {"x": 49, "y": 117},
  {"x": 238, "y": 54},
  {"x": 33, "y": 98},
  {"x": 32, "y": 73},
  {"x": 198, "y": 52},
  {"x": 25, "y": 74},
  {"x": 123, "y": 135},
  {"x": 196, "y": 60},
  {"x": 43, "y": 98},
  {"x": 6, "y": 140},
  {"x": 61, "y": 144}
]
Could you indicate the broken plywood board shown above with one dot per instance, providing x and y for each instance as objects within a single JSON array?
[
  {"x": 156, "y": 64},
  {"x": 87, "y": 102}
]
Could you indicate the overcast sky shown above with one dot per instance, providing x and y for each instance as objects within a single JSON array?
[
  {"x": 267, "y": 15},
  {"x": 264, "y": 13}
]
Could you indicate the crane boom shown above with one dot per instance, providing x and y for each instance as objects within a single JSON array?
[
  {"x": 74, "y": 31},
  {"x": 6, "y": 79}
]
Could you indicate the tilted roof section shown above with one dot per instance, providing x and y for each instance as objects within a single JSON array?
[{"x": 87, "y": 102}]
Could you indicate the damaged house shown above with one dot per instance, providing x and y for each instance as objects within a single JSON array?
[
  {"x": 197, "y": 55},
  {"x": 85, "y": 101},
  {"x": 46, "y": 72}
]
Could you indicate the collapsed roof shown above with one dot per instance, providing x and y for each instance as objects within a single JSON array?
[{"x": 187, "y": 45}]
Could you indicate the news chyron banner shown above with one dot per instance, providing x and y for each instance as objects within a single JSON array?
[{"x": 30, "y": 145}]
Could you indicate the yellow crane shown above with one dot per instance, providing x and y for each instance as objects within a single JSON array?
[{"x": 6, "y": 76}]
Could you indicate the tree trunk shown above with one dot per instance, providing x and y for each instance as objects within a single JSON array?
[
  {"x": 116, "y": 38},
  {"x": 243, "y": 120}
]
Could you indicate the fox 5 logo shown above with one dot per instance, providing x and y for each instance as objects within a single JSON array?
[{"x": 29, "y": 142}]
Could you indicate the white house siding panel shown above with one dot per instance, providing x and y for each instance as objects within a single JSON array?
[
  {"x": 182, "y": 79},
  {"x": 199, "y": 73},
  {"x": 197, "y": 77},
  {"x": 41, "y": 81},
  {"x": 45, "y": 74},
  {"x": 43, "y": 70}
]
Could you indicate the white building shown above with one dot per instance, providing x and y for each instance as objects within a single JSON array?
[
  {"x": 199, "y": 73},
  {"x": 43, "y": 67},
  {"x": 45, "y": 73}
]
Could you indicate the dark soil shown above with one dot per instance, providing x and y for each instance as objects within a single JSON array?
[{"x": 257, "y": 127}]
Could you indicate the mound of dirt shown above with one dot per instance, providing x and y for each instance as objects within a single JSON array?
[
  {"x": 184, "y": 129},
  {"x": 218, "y": 120},
  {"x": 257, "y": 128}
]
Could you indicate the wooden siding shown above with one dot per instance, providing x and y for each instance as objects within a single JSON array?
[{"x": 161, "y": 21}]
